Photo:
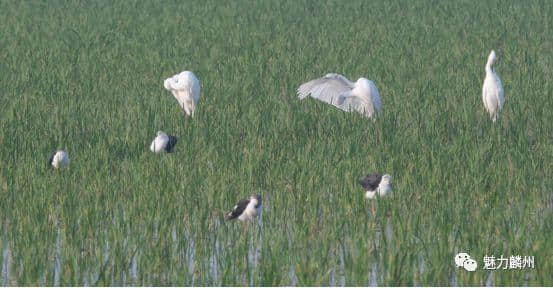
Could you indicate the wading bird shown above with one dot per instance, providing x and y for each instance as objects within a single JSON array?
[
  {"x": 246, "y": 209},
  {"x": 59, "y": 159},
  {"x": 163, "y": 142},
  {"x": 186, "y": 89},
  {"x": 335, "y": 89},
  {"x": 376, "y": 184},
  {"x": 492, "y": 90}
]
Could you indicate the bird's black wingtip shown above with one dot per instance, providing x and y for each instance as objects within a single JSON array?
[
  {"x": 51, "y": 159},
  {"x": 171, "y": 144}
]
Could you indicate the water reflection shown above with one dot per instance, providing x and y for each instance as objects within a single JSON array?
[
  {"x": 190, "y": 257},
  {"x": 453, "y": 278},
  {"x": 489, "y": 279},
  {"x": 6, "y": 263},
  {"x": 133, "y": 269},
  {"x": 292, "y": 276},
  {"x": 213, "y": 264},
  {"x": 57, "y": 259},
  {"x": 331, "y": 277},
  {"x": 373, "y": 275},
  {"x": 342, "y": 276}
]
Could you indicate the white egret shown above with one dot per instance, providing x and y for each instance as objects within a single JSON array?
[
  {"x": 186, "y": 89},
  {"x": 246, "y": 209},
  {"x": 335, "y": 89},
  {"x": 163, "y": 142},
  {"x": 59, "y": 159},
  {"x": 492, "y": 90}
]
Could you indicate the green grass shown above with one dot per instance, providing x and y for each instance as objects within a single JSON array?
[{"x": 88, "y": 76}]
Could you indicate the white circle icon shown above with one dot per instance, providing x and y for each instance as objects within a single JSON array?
[
  {"x": 470, "y": 265},
  {"x": 463, "y": 260}
]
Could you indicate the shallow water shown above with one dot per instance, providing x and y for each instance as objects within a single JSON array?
[
  {"x": 331, "y": 277},
  {"x": 373, "y": 275},
  {"x": 342, "y": 269},
  {"x": 213, "y": 264},
  {"x": 6, "y": 263},
  {"x": 57, "y": 259},
  {"x": 292, "y": 276},
  {"x": 489, "y": 280},
  {"x": 191, "y": 258},
  {"x": 453, "y": 278},
  {"x": 133, "y": 269}
]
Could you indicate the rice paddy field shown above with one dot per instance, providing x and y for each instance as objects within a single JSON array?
[{"x": 87, "y": 76}]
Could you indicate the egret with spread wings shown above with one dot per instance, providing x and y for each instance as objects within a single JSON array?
[{"x": 335, "y": 89}]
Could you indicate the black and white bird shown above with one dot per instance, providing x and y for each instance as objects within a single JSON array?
[
  {"x": 163, "y": 142},
  {"x": 361, "y": 96},
  {"x": 376, "y": 184},
  {"x": 59, "y": 159},
  {"x": 246, "y": 209}
]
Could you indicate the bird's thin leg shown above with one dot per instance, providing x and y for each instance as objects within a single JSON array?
[
  {"x": 185, "y": 110},
  {"x": 192, "y": 108},
  {"x": 245, "y": 228},
  {"x": 373, "y": 208}
]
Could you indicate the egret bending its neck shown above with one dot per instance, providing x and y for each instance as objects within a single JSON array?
[{"x": 491, "y": 61}]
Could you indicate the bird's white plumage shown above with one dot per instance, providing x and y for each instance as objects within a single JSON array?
[
  {"x": 335, "y": 89},
  {"x": 384, "y": 188},
  {"x": 492, "y": 90},
  {"x": 60, "y": 159},
  {"x": 160, "y": 142},
  {"x": 251, "y": 211},
  {"x": 185, "y": 86}
]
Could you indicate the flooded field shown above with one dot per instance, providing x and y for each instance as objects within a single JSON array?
[{"x": 87, "y": 77}]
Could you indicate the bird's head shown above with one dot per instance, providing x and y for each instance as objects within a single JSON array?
[
  {"x": 362, "y": 82},
  {"x": 362, "y": 87},
  {"x": 179, "y": 81},
  {"x": 160, "y": 133},
  {"x": 387, "y": 178},
  {"x": 256, "y": 197},
  {"x": 492, "y": 58}
]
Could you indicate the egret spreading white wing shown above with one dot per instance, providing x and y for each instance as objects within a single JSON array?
[
  {"x": 335, "y": 89},
  {"x": 186, "y": 89},
  {"x": 492, "y": 90}
]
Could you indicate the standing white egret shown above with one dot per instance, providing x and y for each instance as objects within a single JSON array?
[
  {"x": 492, "y": 90},
  {"x": 186, "y": 89},
  {"x": 246, "y": 209},
  {"x": 163, "y": 142},
  {"x": 59, "y": 159},
  {"x": 335, "y": 89}
]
